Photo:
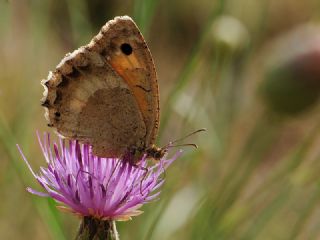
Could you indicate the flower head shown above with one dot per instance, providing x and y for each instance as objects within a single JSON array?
[{"x": 87, "y": 185}]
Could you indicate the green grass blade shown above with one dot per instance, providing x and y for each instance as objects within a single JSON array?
[
  {"x": 190, "y": 65},
  {"x": 48, "y": 214}
]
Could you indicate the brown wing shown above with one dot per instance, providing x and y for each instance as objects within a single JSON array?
[
  {"x": 86, "y": 100},
  {"x": 123, "y": 46},
  {"x": 106, "y": 93}
]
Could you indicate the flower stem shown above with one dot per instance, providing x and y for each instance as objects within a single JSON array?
[{"x": 95, "y": 229}]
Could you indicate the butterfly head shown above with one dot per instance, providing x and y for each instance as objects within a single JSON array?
[
  {"x": 134, "y": 155},
  {"x": 155, "y": 152}
]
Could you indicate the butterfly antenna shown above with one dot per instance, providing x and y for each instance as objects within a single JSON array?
[
  {"x": 184, "y": 145},
  {"x": 184, "y": 137}
]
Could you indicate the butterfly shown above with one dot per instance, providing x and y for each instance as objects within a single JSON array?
[{"x": 106, "y": 94}]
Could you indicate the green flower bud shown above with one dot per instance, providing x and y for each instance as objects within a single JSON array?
[{"x": 292, "y": 76}]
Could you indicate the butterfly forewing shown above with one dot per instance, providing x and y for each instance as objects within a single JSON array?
[{"x": 123, "y": 46}]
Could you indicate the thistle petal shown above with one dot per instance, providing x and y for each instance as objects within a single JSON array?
[{"x": 87, "y": 185}]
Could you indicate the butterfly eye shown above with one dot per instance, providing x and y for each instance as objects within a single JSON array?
[{"x": 126, "y": 48}]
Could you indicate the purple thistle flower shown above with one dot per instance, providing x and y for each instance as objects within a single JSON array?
[{"x": 103, "y": 188}]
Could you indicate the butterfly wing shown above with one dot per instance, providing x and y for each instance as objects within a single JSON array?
[
  {"x": 124, "y": 48},
  {"x": 101, "y": 95},
  {"x": 86, "y": 99}
]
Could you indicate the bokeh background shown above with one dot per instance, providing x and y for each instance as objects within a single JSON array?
[{"x": 247, "y": 70}]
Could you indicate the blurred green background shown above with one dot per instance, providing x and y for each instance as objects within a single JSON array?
[{"x": 248, "y": 71}]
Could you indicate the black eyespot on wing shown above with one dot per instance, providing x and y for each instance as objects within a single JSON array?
[{"x": 126, "y": 48}]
